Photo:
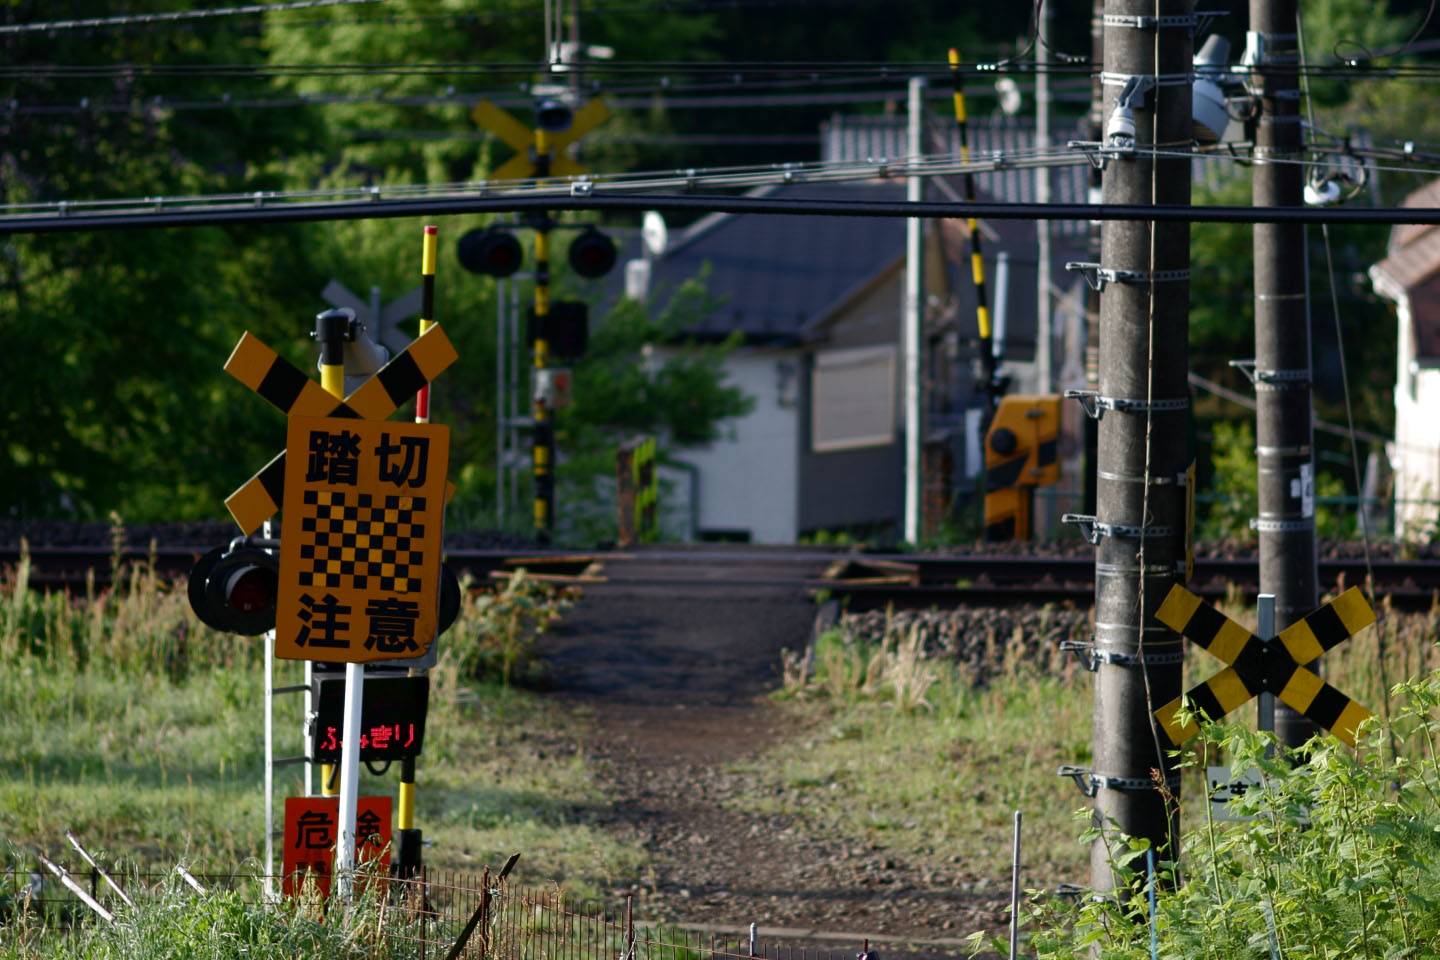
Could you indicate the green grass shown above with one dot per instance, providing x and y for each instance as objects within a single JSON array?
[
  {"x": 908, "y": 753},
  {"x": 173, "y": 922},
  {"x": 140, "y": 729}
]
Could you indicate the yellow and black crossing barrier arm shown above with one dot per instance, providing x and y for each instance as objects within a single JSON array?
[
  {"x": 332, "y": 328},
  {"x": 991, "y": 385}
]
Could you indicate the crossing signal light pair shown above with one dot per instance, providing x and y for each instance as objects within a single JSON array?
[
  {"x": 496, "y": 252},
  {"x": 235, "y": 590}
]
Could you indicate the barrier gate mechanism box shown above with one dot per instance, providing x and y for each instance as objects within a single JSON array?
[
  {"x": 392, "y": 718},
  {"x": 360, "y": 540},
  {"x": 311, "y": 829}
]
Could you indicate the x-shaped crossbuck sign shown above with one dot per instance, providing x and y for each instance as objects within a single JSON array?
[
  {"x": 522, "y": 139},
  {"x": 278, "y": 381},
  {"x": 1257, "y": 666}
]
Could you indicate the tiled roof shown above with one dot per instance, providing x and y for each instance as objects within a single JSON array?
[
  {"x": 1406, "y": 233},
  {"x": 1413, "y": 264},
  {"x": 774, "y": 275}
]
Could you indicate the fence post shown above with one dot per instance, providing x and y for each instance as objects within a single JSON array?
[
  {"x": 479, "y": 917},
  {"x": 485, "y": 914},
  {"x": 629, "y": 926},
  {"x": 625, "y": 493}
]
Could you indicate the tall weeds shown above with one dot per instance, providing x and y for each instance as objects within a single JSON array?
[{"x": 139, "y": 626}]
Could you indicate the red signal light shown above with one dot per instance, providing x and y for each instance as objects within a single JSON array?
[
  {"x": 490, "y": 251},
  {"x": 592, "y": 254},
  {"x": 253, "y": 590}
]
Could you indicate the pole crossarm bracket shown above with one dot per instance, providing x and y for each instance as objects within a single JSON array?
[
  {"x": 1095, "y": 405},
  {"x": 1147, "y": 22},
  {"x": 1090, "y": 783},
  {"x": 1092, "y": 529},
  {"x": 1096, "y": 276},
  {"x": 1282, "y": 526},
  {"x": 1256, "y": 666},
  {"x": 1091, "y": 656},
  {"x": 1276, "y": 378}
]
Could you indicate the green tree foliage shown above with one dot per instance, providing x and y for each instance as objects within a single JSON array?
[
  {"x": 637, "y": 380},
  {"x": 113, "y": 342}
]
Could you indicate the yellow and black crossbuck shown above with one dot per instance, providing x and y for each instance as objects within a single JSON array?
[
  {"x": 1276, "y": 667},
  {"x": 277, "y": 380}
]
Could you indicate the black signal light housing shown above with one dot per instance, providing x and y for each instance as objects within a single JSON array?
[
  {"x": 592, "y": 254},
  {"x": 490, "y": 251},
  {"x": 235, "y": 590}
]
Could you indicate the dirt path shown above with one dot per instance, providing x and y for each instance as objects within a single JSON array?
[{"x": 672, "y": 684}]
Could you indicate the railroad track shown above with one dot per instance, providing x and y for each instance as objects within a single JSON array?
[
  {"x": 920, "y": 581},
  {"x": 861, "y": 581}
]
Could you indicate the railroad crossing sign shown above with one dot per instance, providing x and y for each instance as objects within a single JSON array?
[
  {"x": 522, "y": 166},
  {"x": 360, "y": 544},
  {"x": 294, "y": 394},
  {"x": 1257, "y": 666}
]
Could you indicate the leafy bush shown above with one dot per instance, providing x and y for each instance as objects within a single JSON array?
[
  {"x": 1339, "y": 856},
  {"x": 507, "y": 624}
]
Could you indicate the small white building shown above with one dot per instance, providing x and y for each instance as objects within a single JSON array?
[{"x": 1410, "y": 276}]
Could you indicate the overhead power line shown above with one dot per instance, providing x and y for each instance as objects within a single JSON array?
[
  {"x": 686, "y": 97},
  {"x": 257, "y": 210},
  {"x": 251, "y": 9},
  {"x": 235, "y": 205}
]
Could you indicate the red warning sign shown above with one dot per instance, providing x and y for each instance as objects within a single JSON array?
[{"x": 311, "y": 829}]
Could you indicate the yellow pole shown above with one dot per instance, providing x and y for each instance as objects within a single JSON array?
[
  {"x": 544, "y": 432},
  {"x": 331, "y": 328},
  {"x": 543, "y": 435},
  {"x": 405, "y": 816}
]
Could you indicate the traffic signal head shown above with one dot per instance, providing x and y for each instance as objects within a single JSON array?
[
  {"x": 552, "y": 115},
  {"x": 490, "y": 251},
  {"x": 235, "y": 590},
  {"x": 592, "y": 254}
]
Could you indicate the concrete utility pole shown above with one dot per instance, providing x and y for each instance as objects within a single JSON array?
[
  {"x": 1095, "y": 129},
  {"x": 1143, "y": 400},
  {"x": 914, "y": 316},
  {"x": 1282, "y": 338}
]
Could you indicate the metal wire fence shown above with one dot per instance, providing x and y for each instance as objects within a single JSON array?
[{"x": 439, "y": 914}]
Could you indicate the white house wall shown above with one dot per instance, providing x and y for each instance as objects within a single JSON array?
[{"x": 749, "y": 479}]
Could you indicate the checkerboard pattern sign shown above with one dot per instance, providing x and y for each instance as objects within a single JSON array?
[
  {"x": 361, "y": 539},
  {"x": 362, "y": 542}
]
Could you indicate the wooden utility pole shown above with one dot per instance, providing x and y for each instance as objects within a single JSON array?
[
  {"x": 1143, "y": 405},
  {"x": 1281, "y": 373}
]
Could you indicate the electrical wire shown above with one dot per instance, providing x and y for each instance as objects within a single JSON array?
[
  {"x": 668, "y": 6},
  {"x": 252, "y": 9},
  {"x": 609, "y": 191},
  {"x": 1407, "y": 45},
  {"x": 655, "y": 139},
  {"x": 1167, "y": 798},
  {"x": 262, "y": 207},
  {"x": 667, "y": 96},
  {"x": 859, "y": 69},
  {"x": 1360, "y": 510}
]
